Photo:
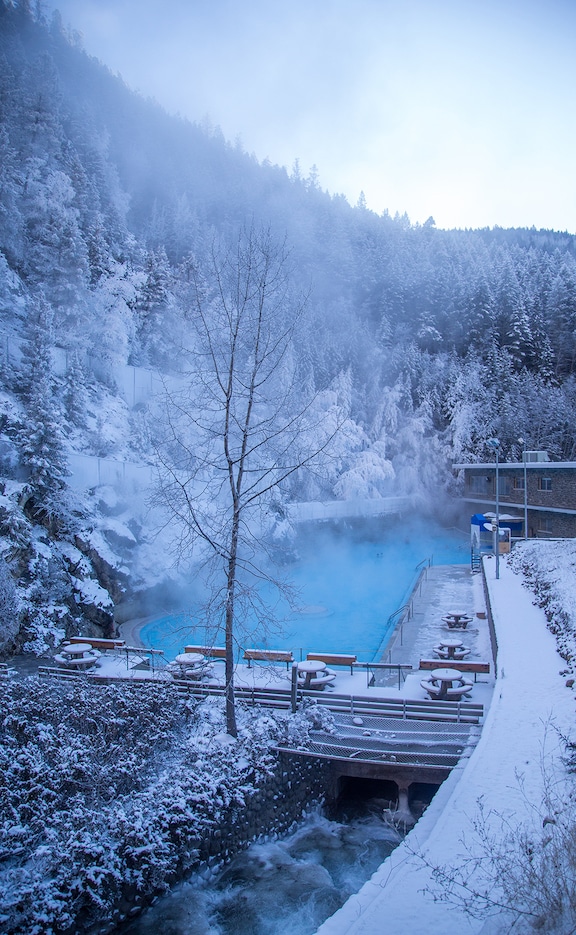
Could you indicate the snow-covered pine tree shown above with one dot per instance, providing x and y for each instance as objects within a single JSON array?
[
  {"x": 74, "y": 395},
  {"x": 40, "y": 437},
  {"x": 42, "y": 448}
]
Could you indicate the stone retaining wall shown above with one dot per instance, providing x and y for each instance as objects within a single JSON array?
[{"x": 296, "y": 785}]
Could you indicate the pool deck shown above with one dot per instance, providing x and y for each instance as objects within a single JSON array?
[{"x": 441, "y": 588}]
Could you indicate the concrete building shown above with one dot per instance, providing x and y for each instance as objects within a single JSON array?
[{"x": 543, "y": 490}]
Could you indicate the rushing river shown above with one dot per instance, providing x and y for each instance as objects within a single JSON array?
[{"x": 284, "y": 887}]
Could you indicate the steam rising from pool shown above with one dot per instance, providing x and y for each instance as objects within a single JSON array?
[
  {"x": 314, "y": 610},
  {"x": 346, "y": 584}
]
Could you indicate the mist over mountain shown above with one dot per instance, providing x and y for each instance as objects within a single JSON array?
[{"x": 425, "y": 342}]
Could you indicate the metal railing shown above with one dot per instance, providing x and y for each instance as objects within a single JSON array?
[
  {"x": 336, "y": 751},
  {"x": 425, "y": 563},
  {"x": 406, "y": 709},
  {"x": 405, "y": 612},
  {"x": 372, "y": 668}
]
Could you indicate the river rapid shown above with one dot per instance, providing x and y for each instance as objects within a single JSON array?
[{"x": 281, "y": 887}]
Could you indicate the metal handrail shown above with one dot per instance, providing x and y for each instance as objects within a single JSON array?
[
  {"x": 401, "y": 610},
  {"x": 398, "y": 666},
  {"x": 406, "y": 609},
  {"x": 429, "y": 561}
]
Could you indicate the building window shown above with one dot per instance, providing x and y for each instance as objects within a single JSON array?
[
  {"x": 518, "y": 483},
  {"x": 544, "y": 483},
  {"x": 545, "y": 526},
  {"x": 504, "y": 486},
  {"x": 480, "y": 484}
]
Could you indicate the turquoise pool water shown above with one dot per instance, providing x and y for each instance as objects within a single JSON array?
[{"x": 346, "y": 588}]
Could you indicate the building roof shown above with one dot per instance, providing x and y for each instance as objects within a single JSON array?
[{"x": 517, "y": 465}]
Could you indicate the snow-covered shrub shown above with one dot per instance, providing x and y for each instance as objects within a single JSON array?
[
  {"x": 311, "y": 716},
  {"x": 518, "y": 876},
  {"x": 550, "y": 571},
  {"x": 106, "y": 794}
]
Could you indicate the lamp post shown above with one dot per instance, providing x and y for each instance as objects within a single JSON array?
[
  {"x": 522, "y": 442},
  {"x": 495, "y": 444}
]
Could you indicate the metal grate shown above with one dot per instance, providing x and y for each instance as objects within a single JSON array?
[{"x": 370, "y": 755}]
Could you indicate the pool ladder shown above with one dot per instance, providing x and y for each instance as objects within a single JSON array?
[{"x": 475, "y": 560}]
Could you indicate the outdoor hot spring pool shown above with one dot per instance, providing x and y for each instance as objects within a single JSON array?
[{"x": 346, "y": 586}]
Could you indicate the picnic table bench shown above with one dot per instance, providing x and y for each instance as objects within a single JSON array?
[
  {"x": 465, "y": 665},
  {"x": 98, "y": 643},
  {"x": 456, "y": 620},
  {"x": 60, "y": 673},
  {"x": 455, "y": 693},
  {"x": 268, "y": 655},
  {"x": 211, "y": 652},
  {"x": 334, "y": 659}
]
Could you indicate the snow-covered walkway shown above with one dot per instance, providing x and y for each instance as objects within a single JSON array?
[{"x": 504, "y": 773}]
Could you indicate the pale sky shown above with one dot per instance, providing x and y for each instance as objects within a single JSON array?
[{"x": 459, "y": 109}]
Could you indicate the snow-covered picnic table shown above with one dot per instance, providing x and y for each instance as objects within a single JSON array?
[
  {"x": 457, "y": 619},
  {"x": 76, "y": 649},
  {"x": 451, "y": 649},
  {"x": 79, "y": 655},
  {"x": 313, "y": 673},
  {"x": 446, "y": 683},
  {"x": 192, "y": 664},
  {"x": 190, "y": 659}
]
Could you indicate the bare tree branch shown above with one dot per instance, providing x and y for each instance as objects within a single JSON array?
[{"x": 242, "y": 425}]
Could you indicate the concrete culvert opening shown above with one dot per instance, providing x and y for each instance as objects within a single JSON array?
[
  {"x": 360, "y": 796},
  {"x": 420, "y": 795}
]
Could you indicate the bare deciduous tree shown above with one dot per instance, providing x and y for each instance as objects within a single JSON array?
[
  {"x": 517, "y": 868},
  {"x": 241, "y": 423}
]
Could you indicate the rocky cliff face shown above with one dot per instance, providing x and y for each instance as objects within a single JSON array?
[{"x": 61, "y": 582}]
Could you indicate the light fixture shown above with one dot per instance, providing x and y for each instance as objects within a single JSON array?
[
  {"x": 495, "y": 444},
  {"x": 522, "y": 442}
]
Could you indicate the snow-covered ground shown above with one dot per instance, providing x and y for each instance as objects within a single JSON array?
[{"x": 512, "y": 790}]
